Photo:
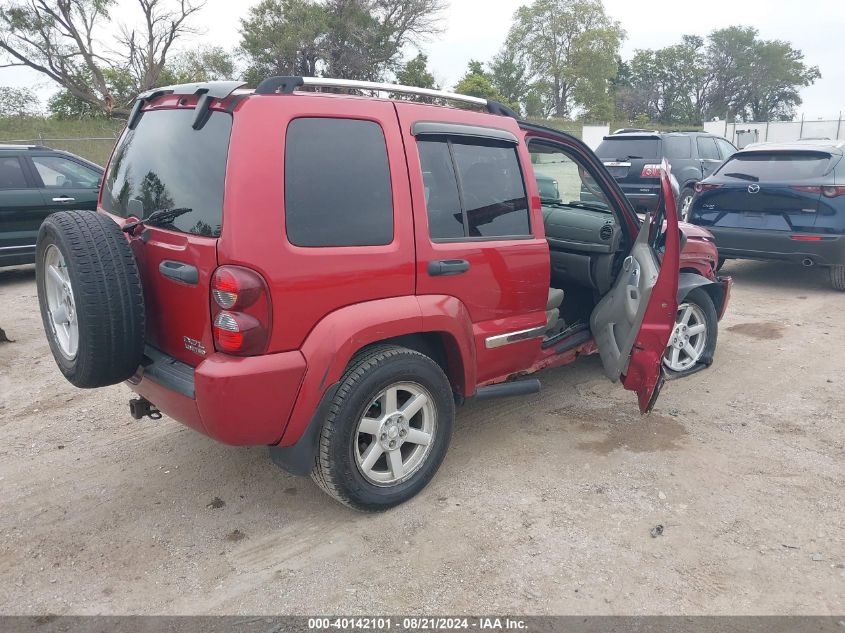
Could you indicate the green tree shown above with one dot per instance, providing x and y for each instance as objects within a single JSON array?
[
  {"x": 570, "y": 48},
  {"x": 477, "y": 82},
  {"x": 205, "y": 63},
  {"x": 18, "y": 102},
  {"x": 63, "y": 105},
  {"x": 509, "y": 74},
  {"x": 350, "y": 39},
  {"x": 415, "y": 73},
  {"x": 63, "y": 40}
]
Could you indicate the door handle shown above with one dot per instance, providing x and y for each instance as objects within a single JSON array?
[
  {"x": 445, "y": 267},
  {"x": 64, "y": 199},
  {"x": 180, "y": 272}
]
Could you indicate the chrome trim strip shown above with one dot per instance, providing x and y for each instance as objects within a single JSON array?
[
  {"x": 11, "y": 248},
  {"x": 492, "y": 342}
]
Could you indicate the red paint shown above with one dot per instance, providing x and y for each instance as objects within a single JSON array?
[{"x": 325, "y": 304}]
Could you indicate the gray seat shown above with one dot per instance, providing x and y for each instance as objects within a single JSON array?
[{"x": 552, "y": 308}]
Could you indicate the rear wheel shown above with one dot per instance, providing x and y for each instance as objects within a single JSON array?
[
  {"x": 685, "y": 203},
  {"x": 837, "y": 277},
  {"x": 387, "y": 430},
  {"x": 693, "y": 340},
  {"x": 90, "y": 296}
]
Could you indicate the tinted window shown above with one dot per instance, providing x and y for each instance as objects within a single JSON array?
[
  {"x": 624, "y": 148},
  {"x": 337, "y": 183},
  {"x": 707, "y": 149},
  {"x": 11, "y": 173},
  {"x": 677, "y": 147},
  {"x": 493, "y": 193},
  {"x": 761, "y": 166},
  {"x": 165, "y": 164},
  {"x": 56, "y": 171},
  {"x": 441, "y": 190},
  {"x": 725, "y": 148},
  {"x": 562, "y": 180}
]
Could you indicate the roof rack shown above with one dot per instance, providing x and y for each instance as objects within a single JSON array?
[{"x": 287, "y": 85}]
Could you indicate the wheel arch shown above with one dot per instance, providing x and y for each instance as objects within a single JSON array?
[
  {"x": 438, "y": 326},
  {"x": 689, "y": 281}
]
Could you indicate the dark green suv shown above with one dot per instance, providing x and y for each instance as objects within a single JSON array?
[{"x": 35, "y": 182}]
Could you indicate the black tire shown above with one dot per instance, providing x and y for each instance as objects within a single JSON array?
[
  {"x": 837, "y": 277},
  {"x": 370, "y": 372},
  {"x": 686, "y": 193},
  {"x": 702, "y": 299},
  {"x": 107, "y": 293}
]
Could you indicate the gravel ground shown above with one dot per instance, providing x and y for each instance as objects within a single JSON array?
[{"x": 544, "y": 504}]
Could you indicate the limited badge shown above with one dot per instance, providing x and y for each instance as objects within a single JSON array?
[{"x": 195, "y": 346}]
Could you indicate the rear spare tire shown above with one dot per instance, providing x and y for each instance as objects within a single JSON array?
[{"x": 91, "y": 298}]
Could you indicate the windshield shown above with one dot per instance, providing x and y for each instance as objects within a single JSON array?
[
  {"x": 770, "y": 166},
  {"x": 624, "y": 148},
  {"x": 165, "y": 164}
]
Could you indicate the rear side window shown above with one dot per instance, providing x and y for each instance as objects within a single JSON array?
[
  {"x": 726, "y": 149},
  {"x": 775, "y": 166},
  {"x": 677, "y": 147},
  {"x": 625, "y": 148},
  {"x": 164, "y": 164},
  {"x": 337, "y": 183},
  {"x": 11, "y": 173},
  {"x": 707, "y": 149},
  {"x": 486, "y": 198}
]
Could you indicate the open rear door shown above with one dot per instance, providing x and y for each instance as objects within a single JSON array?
[{"x": 633, "y": 322}]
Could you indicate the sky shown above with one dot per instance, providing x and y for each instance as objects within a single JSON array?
[{"x": 475, "y": 29}]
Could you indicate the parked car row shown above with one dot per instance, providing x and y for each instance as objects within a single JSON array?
[{"x": 769, "y": 201}]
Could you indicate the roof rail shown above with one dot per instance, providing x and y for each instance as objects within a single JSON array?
[{"x": 287, "y": 85}]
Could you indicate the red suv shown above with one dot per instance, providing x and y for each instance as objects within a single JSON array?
[{"x": 330, "y": 274}]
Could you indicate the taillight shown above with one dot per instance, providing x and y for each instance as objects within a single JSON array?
[
  {"x": 240, "y": 311},
  {"x": 651, "y": 171},
  {"x": 833, "y": 191},
  {"x": 705, "y": 186}
]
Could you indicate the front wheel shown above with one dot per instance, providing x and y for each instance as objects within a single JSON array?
[
  {"x": 693, "y": 340},
  {"x": 387, "y": 430}
]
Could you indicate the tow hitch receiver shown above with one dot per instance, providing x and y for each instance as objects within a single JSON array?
[{"x": 141, "y": 408}]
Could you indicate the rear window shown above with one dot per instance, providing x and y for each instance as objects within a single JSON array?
[
  {"x": 625, "y": 148},
  {"x": 771, "y": 166},
  {"x": 337, "y": 183},
  {"x": 165, "y": 164}
]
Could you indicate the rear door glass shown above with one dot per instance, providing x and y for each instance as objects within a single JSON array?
[
  {"x": 726, "y": 149},
  {"x": 625, "y": 148},
  {"x": 677, "y": 147},
  {"x": 56, "y": 171},
  {"x": 11, "y": 173},
  {"x": 493, "y": 192},
  {"x": 772, "y": 166},
  {"x": 486, "y": 198},
  {"x": 707, "y": 149},
  {"x": 165, "y": 164}
]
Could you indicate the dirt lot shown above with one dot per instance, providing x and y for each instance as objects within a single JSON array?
[{"x": 544, "y": 504}]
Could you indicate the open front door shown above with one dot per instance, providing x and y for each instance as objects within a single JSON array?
[{"x": 633, "y": 322}]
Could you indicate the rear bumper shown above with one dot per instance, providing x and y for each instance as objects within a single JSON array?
[
  {"x": 828, "y": 250},
  {"x": 641, "y": 200},
  {"x": 238, "y": 401}
]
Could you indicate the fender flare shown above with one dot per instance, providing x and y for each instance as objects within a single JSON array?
[
  {"x": 687, "y": 282},
  {"x": 333, "y": 342}
]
